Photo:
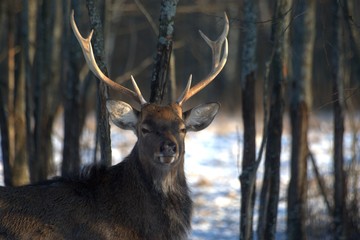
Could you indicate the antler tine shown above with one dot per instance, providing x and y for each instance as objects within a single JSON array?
[
  {"x": 87, "y": 50},
  {"x": 138, "y": 92},
  {"x": 217, "y": 63},
  {"x": 186, "y": 91}
]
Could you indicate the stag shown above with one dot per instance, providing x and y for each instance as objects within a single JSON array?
[{"x": 143, "y": 197}]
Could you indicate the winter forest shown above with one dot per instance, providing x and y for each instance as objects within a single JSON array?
[{"x": 289, "y": 127}]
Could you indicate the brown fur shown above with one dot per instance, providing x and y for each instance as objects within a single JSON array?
[
  {"x": 139, "y": 198},
  {"x": 116, "y": 203}
]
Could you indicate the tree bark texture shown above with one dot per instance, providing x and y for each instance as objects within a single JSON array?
[
  {"x": 11, "y": 84},
  {"x": 45, "y": 94},
  {"x": 248, "y": 161},
  {"x": 349, "y": 11},
  {"x": 248, "y": 113},
  {"x": 333, "y": 49},
  {"x": 102, "y": 114},
  {"x": 350, "y": 53},
  {"x": 271, "y": 182},
  {"x": 28, "y": 85},
  {"x": 6, "y": 101},
  {"x": 13, "y": 101},
  {"x": 20, "y": 166},
  {"x": 297, "y": 186},
  {"x": 71, "y": 56},
  {"x": 302, "y": 46},
  {"x": 164, "y": 49},
  {"x": 5, "y": 139}
]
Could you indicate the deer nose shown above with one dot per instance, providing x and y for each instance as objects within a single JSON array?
[{"x": 168, "y": 148}]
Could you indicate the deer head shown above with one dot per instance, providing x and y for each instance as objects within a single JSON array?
[{"x": 160, "y": 129}]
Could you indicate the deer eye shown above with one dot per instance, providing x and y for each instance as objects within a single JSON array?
[
  {"x": 183, "y": 130},
  {"x": 145, "y": 130}
]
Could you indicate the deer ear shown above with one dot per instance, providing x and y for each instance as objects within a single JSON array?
[
  {"x": 200, "y": 117},
  {"x": 122, "y": 114}
]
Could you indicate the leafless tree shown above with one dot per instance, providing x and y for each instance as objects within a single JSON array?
[
  {"x": 71, "y": 55},
  {"x": 164, "y": 49},
  {"x": 103, "y": 131},
  {"x": 13, "y": 97},
  {"x": 248, "y": 110},
  {"x": 338, "y": 107},
  {"x": 45, "y": 85},
  {"x": 303, "y": 29},
  {"x": 270, "y": 190}
]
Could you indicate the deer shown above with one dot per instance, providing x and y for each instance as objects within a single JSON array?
[{"x": 145, "y": 196}]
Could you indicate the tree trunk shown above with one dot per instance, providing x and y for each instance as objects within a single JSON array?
[
  {"x": 29, "y": 98},
  {"x": 20, "y": 166},
  {"x": 5, "y": 137},
  {"x": 248, "y": 110},
  {"x": 349, "y": 11},
  {"x": 46, "y": 92},
  {"x": 302, "y": 57},
  {"x": 6, "y": 101},
  {"x": 351, "y": 54},
  {"x": 297, "y": 187},
  {"x": 164, "y": 49},
  {"x": 338, "y": 106},
  {"x": 248, "y": 161},
  {"x": 11, "y": 84},
  {"x": 103, "y": 131},
  {"x": 71, "y": 57},
  {"x": 271, "y": 183},
  {"x": 13, "y": 102}
]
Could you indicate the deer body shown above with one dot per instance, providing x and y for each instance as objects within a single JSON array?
[
  {"x": 116, "y": 203},
  {"x": 143, "y": 197}
]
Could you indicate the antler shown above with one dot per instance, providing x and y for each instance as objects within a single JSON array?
[
  {"x": 87, "y": 49},
  {"x": 217, "y": 63}
]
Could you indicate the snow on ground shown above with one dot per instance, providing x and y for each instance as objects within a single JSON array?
[{"x": 212, "y": 169}]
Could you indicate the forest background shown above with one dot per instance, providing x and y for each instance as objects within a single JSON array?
[{"x": 292, "y": 58}]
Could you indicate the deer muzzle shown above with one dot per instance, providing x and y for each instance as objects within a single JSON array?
[{"x": 168, "y": 152}]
